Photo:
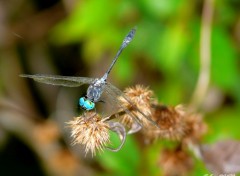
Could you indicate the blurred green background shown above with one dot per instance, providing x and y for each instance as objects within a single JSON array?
[{"x": 80, "y": 38}]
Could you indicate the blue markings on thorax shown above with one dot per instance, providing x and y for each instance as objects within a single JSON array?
[{"x": 86, "y": 104}]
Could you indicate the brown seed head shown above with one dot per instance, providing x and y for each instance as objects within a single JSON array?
[
  {"x": 176, "y": 162},
  {"x": 196, "y": 128},
  {"x": 171, "y": 123},
  {"x": 141, "y": 98},
  {"x": 90, "y": 131}
]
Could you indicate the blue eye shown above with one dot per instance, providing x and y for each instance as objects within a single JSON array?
[
  {"x": 89, "y": 105},
  {"x": 81, "y": 101},
  {"x": 86, "y": 104}
]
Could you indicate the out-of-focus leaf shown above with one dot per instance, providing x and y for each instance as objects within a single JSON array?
[
  {"x": 119, "y": 129},
  {"x": 224, "y": 59},
  {"x": 199, "y": 169},
  {"x": 224, "y": 124},
  {"x": 158, "y": 8},
  {"x": 226, "y": 9},
  {"x": 147, "y": 39},
  {"x": 222, "y": 157},
  {"x": 193, "y": 46},
  {"x": 84, "y": 20},
  {"x": 124, "y": 162},
  {"x": 171, "y": 93},
  {"x": 171, "y": 47},
  {"x": 125, "y": 70}
]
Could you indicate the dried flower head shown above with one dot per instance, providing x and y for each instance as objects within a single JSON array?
[
  {"x": 91, "y": 131},
  {"x": 171, "y": 123},
  {"x": 175, "y": 162},
  {"x": 141, "y": 99},
  {"x": 196, "y": 128}
]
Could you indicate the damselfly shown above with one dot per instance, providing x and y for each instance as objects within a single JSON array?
[{"x": 96, "y": 86}]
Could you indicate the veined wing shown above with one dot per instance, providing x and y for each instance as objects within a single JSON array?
[
  {"x": 68, "y": 81},
  {"x": 115, "y": 92},
  {"x": 118, "y": 108}
]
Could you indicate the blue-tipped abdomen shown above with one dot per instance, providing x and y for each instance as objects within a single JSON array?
[{"x": 86, "y": 104}]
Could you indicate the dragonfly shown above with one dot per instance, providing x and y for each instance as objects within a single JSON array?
[{"x": 96, "y": 85}]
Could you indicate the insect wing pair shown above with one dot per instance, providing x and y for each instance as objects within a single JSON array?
[{"x": 112, "y": 92}]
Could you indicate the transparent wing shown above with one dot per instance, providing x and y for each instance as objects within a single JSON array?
[
  {"x": 117, "y": 108},
  {"x": 68, "y": 81},
  {"x": 114, "y": 93}
]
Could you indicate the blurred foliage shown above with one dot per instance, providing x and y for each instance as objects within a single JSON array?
[{"x": 164, "y": 55}]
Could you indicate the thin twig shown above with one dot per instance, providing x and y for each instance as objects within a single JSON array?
[{"x": 205, "y": 55}]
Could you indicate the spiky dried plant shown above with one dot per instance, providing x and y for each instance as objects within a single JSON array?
[
  {"x": 174, "y": 123},
  {"x": 141, "y": 98},
  {"x": 91, "y": 131},
  {"x": 171, "y": 123},
  {"x": 175, "y": 162}
]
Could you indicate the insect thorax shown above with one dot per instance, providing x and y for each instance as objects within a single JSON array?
[{"x": 95, "y": 89}]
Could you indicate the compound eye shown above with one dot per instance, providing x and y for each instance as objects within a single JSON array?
[
  {"x": 86, "y": 104},
  {"x": 82, "y": 101},
  {"x": 90, "y": 105}
]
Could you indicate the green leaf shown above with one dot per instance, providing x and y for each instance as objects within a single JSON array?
[
  {"x": 124, "y": 162},
  {"x": 88, "y": 17},
  {"x": 160, "y": 8},
  {"x": 171, "y": 47},
  {"x": 125, "y": 69},
  {"x": 224, "y": 124},
  {"x": 224, "y": 60}
]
